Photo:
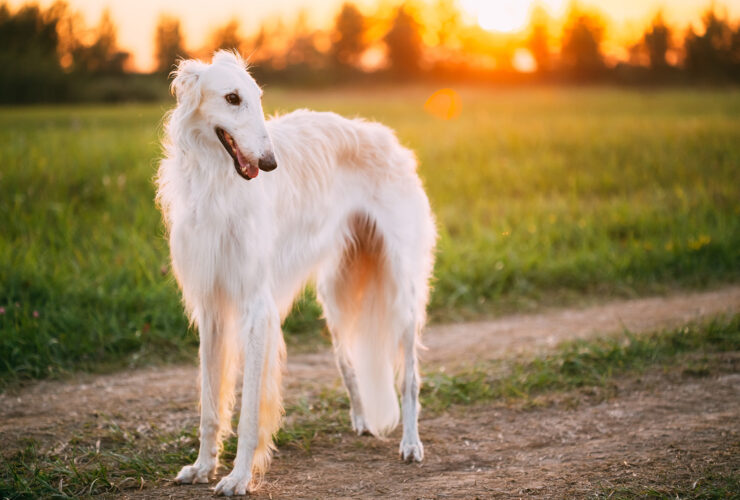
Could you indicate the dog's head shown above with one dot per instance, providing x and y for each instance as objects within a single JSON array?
[{"x": 222, "y": 102}]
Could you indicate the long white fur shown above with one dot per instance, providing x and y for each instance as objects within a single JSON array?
[{"x": 344, "y": 206}]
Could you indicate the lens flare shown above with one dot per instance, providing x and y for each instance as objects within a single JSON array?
[{"x": 444, "y": 104}]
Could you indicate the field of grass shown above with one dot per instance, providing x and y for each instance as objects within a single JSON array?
[{"x": 542, "y": 196}]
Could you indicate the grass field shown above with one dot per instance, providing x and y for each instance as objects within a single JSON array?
[{"x": 542, "y": 196}]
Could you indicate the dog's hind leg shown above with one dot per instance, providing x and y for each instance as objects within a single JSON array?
[
  {"x": 409, "y": 259},
  {"x": 338, "y": 321},
  {"x": 411, "y": 447},
  {"x": 216, "y": 381},
  {"x": 349, "y": 377}
]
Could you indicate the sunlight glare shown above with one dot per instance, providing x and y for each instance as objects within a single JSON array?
[
  {"x": 554, "y": 7},
  {"x": 524, "y": 61},
  {"x": 507, "y": 16},
  {"x": 503, "y": 16}
]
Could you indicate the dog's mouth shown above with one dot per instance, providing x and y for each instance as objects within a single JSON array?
[{"x": 245, "y": 167}]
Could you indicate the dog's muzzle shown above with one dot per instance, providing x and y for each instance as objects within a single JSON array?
[{"x": 245, "y": 166}]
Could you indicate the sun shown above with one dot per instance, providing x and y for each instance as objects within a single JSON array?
[{"x": 505, "y": 16}]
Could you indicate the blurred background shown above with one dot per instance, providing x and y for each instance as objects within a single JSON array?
[
  {"x": 572, "y": 152},
  {"x": 88, "y": 50}
]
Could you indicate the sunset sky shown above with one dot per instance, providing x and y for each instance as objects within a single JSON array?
[{"x": 136, "y": 19}]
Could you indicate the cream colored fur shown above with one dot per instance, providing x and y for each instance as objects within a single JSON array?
[{"x": 344, "y": 207}]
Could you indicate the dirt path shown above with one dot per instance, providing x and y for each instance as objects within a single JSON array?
[
  {"x": 480, "y": 451},
  {"x": 666, "y": 435}
]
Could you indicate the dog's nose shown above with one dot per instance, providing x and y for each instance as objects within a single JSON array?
[{"x": 267, "y": 162}]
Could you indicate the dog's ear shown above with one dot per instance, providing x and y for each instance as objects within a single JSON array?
[{"x": 186, "y": 84}]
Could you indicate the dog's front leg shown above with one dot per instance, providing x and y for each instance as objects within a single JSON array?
[
  {"x": 212, "y": 377},
  {"x": 260, "y": 322}
]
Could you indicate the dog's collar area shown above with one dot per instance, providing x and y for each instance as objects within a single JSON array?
[{"x": 244, "y": 167}]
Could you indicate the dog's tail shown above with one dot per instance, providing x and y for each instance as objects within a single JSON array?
[
  {"x": 373, "y": 352},
  {"x": 358, "y": 296},
  {"x": 368, "y": 333},
  {"x": 271, "y": 406}
]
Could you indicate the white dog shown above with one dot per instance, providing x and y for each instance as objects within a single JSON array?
[{"x": 340, "y": 202}]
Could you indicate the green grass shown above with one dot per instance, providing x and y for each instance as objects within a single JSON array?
[
  {"x": 542, "y": 196},
  {"x": 592, "y": 363},
  {"x": 84, "y": 468},
  {"x": 709, "y": 486},
  {"x": 112, "y": 459}
]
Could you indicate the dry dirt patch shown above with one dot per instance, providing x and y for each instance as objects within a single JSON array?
[
  {"x": 675, "y": 428},
  {"x": 667, "y": 435}
]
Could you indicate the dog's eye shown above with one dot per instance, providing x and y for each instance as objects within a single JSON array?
[{"x": 233, "y": 99}]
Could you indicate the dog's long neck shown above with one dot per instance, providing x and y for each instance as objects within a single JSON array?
[
  {"x": 192, "y": 149},
  {"x": 200, "y": 176}
]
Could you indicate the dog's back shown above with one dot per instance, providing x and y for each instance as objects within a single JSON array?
[{"x": 317, "y": 142}]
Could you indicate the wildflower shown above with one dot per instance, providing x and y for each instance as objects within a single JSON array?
[
  {"x": 699, "y": 242},
  {"x": 35, "y": 314}
]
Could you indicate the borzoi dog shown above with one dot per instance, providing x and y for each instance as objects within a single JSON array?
[{"x": 338, "y": 201}]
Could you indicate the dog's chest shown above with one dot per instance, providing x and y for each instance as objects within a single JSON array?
[{"x": 210, "y": 248}]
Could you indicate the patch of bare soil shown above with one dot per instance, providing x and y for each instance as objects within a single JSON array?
[
  {"x": 476, "y": 341},
  {"x": 667, "y": 433}
]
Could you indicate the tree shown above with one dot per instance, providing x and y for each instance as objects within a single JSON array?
[
  {"x": 657, "y": 42},
  {"x": 581, "y": 49},
  {"x": 348, "y": 42},
  {"x": 102, "y": 57},
  {"x": 29, "y": 54},
  {"x": 29, "y": 28},
  {"x": 168, "y": 43},
  {"x": 227, "y": 37},
  {"x": 447, "y": 20},
  {"x": 404, "y": 44},
  {"x": 68, "y": 28},
  {"x": 539, "y": 41},
  {"x": 714, "y": 54},
  {"x": 302, "y": 51}
]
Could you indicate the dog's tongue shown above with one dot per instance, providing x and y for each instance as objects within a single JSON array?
[{"x": 251, "y": 170}]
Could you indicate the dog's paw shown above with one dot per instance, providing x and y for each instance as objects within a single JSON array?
[
  {"x": 411, "y": 451},
  {"x": 233, "y": 484},
  {"x": 196, "y": 473},
  {"x": 359, "y": 425}
]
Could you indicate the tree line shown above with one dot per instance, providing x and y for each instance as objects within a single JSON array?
[
  {"x": 49, "y": 54},
  {"x": 45, "y": 57}
]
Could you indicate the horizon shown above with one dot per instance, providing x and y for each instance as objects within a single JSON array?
[{"x": 136, "y": 20}]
